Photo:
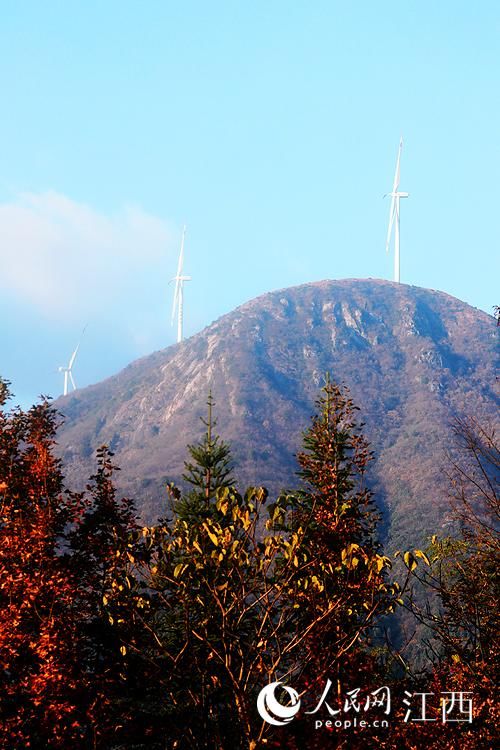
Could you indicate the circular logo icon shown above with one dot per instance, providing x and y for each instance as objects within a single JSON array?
[{"x": 272, "y": 711}]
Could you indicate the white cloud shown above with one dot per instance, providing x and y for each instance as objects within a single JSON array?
[{"x": 67, "y": 259}]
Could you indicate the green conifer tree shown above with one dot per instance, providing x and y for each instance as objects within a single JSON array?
[
  {"x": 209, "y": 469},
  {"x": 335, "y": 508},
  {"x": 100, "y": 547}
]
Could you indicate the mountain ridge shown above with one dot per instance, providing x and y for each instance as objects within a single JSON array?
[{"x": 411, "y": 357}]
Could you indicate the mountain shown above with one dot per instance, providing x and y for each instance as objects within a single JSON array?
[{"x": 411, "y": 357}]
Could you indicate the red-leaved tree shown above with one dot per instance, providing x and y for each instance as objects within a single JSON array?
[{"x": 38, "y": 670}]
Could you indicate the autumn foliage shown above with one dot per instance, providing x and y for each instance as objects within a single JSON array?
[
  {"x": 115, "y": 635},
  {"x": 39, "y": 674}
]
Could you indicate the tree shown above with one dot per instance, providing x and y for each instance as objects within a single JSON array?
[
  {"x": 461, "y": 579},
  {"x": 100, "y": 550},
  {"x": 336, "y": 512},
  {"x": 72, "y": 672},
  {"x": 209, "y": 469},
  {"x": 239, "y": 604},
  {"x": 38, "y": 661}
]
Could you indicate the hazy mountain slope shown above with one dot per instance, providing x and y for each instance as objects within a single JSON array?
[{"x": 412, "y": 358}]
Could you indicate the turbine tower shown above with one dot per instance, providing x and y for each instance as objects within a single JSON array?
[
  {"x": 179, "y": 290},
  {"x": 68, "y": 375},
  {"x": 396, "y": 196}
]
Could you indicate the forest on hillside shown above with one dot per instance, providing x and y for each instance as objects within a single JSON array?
[{"x": 240, "y": 620}]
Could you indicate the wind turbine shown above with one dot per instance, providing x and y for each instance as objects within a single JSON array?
[
  {"x": 68, "y": 375},
  {"x": 179, "y": 290},
  {"x": 396, "y": 196}
]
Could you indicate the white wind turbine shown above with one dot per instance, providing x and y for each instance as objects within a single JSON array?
[
  {"x": 179, "y": 290},
  {"x": 68, "y": 374},
  {"x": 396, "y": 196}
]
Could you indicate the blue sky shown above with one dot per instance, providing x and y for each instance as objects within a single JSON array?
[{"x": 270, "y": 128}]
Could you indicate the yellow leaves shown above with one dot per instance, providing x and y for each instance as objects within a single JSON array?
[
  {"x": 377, "y": 565},
  {"x": 123, "y": 650},
  {"x": 347, "y": 551},
  {"x": 105, "y": 600},
  {"x": 3, "y": 486},
  {"x": 222, "y": 495},
  {"x": 179, "y": 569},
  {"x": 290, "y": 548},
  {"x": 245, "y": 520},
  {"x": 197, "y": 547},
  {"x": 224, "y": 507},
  {"x": 317, "y": 583},
  {"x": 276, "y": 513},
  {"x": 351, "y": 560},
  {"x": 456, "y": 658},
  {"x": 211, "y": 535},
  {"x": 260, "y": 494},
  {"x": 222, "y": 504},
  {"x": 411, "y": 559},
  {"x": 421, "y": 555},
  {"x": 271, "y": 546}
]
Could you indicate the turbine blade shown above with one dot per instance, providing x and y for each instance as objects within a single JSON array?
[
  {"x": 181, "y": 254},
  {"x": 392, "y": 216},
  {"x": 77, "y": 347},
  {"x": 176, "y": 297},
  {"x": 178, "y": 279},
  {"x": 72, "y": 381},
  {"x": 398, "y": 168},
  {"x": 395, "y": 186},
  {"x": 73, "y": 356}
]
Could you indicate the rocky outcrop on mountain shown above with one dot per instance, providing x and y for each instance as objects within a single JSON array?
[{"x": 412, "y": 358}]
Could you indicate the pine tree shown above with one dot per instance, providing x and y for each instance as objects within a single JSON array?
[
  {"x": 209, "y": 469},
  {"x": 335, "y": 508},
  {"x": 241, "y": 603},
  {"x": 101, "y": 546},
  {"x": 333, "y": 467}
]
